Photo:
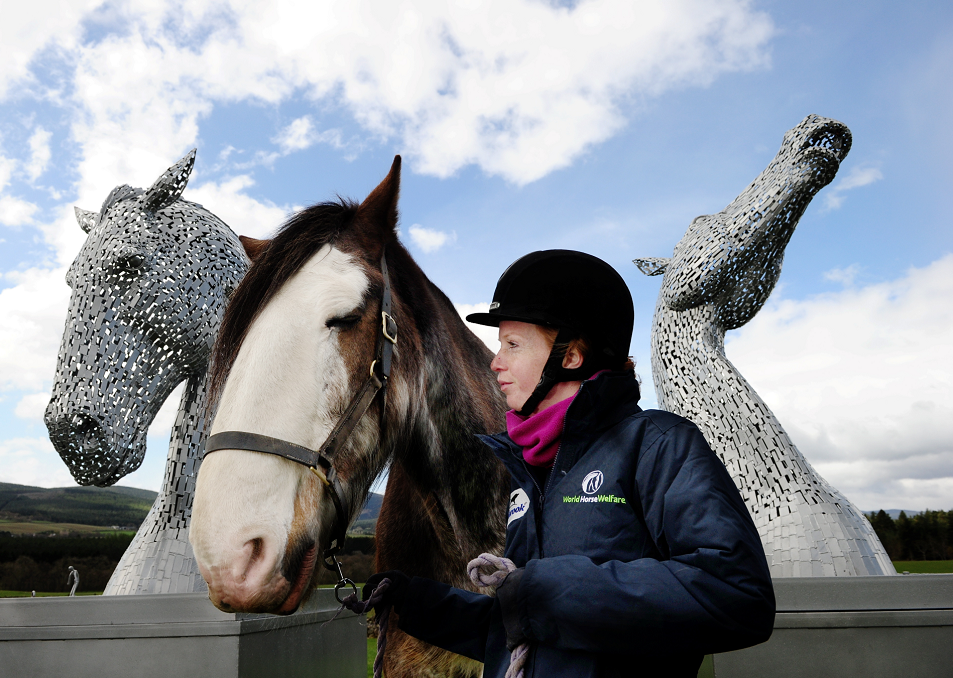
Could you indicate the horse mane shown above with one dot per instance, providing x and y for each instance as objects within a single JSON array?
[{"x": 298, "y": 239}]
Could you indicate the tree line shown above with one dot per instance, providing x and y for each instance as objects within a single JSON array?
[
  {"x": 925, "y": 536},
  {"x": 41, "y": 563}
]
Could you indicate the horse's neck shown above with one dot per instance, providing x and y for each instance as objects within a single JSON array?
[
  {"x": 790, "y": 503},
  {"x": 446, "y": 460},
  {"x": 185, "y": 451},
  {"x": 160, "y": 558},
  {"x": 694, "y": 378}
]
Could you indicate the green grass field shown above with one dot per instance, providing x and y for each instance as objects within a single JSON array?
[{"x": 21, "y": 527}]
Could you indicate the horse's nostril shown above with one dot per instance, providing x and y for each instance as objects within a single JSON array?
[
  {"x": 81, "y": 423},
  {"x": 257, "y": 546}
]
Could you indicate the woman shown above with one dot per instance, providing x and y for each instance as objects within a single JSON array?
[{"x": 635, "y": 552}]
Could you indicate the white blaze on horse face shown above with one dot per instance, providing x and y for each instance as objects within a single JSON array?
[{"x": 288, "y": 381}]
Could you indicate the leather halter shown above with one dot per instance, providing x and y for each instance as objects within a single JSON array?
[{"x": 321, "y": 461}]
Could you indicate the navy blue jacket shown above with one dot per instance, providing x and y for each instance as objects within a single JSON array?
[{"x": 640, "y": 556}]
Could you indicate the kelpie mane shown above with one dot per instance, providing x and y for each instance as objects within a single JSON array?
[{"x": 298, "y": 239}]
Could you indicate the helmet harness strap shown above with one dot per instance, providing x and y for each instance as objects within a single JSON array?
[{"x": 553, "y": 373}]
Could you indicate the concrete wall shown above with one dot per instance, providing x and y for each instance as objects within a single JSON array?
[
  {"x": 173, "y": 635},
  {"x": 847, "y": 627}
]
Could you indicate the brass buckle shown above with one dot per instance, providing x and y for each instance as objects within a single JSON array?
[
  {"x": 385, "y": 316},
  {"x": 320, "y": 474}
]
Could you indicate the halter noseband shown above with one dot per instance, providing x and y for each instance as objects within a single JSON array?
[{"x": 320, "y": 461}]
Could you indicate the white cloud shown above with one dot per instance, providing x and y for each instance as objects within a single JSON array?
[
  {"x": 161, "y": 427},
  {"x": 32, "y": 26},
  {"x": 858, "y": 176},
  {"x": 39, "y": 153},
  {"x": 242, "y": 213},
  {"x": 845, "y": 276},
  {"x": 301, "y": 134},
  {"x": 488, "y": 335},
  {"x": 32, "y": 315},
  {"x": 863, "y": 381},
  {"x": 517, "y": 87},
  {"x": 32, "y": 461},
  {"x": 32, "y": 406},
  {"x": 428, "y": 239},
  {"x": 7, "y": 165},
  {"x": 16, "y": 212}
]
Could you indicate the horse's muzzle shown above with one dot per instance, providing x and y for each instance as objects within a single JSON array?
[{"x": 82, "y": 443}]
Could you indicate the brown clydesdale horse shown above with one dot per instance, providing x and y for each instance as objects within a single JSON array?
[{"x": 296, "y": 344}]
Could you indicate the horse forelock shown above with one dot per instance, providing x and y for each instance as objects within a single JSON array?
[{"x": 296, "y": 242}]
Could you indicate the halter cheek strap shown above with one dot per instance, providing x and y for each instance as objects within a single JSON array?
[{"x": 320, "y": 461}]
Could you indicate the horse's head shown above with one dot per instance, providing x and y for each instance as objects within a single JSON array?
[
  {"x": 297, "y": 343},
  {"x": 149, "y": 288},
  {"x": 733, "y": 258}
]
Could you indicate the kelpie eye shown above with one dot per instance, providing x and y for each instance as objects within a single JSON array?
[
  {"x": 343, "y": 322},
  {"x": 129, "y": 263}
]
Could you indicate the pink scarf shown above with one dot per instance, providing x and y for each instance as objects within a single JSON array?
[{"x": 539, "y": 433}]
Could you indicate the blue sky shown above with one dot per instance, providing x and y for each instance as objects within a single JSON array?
[{"x": 599, "y": 125}]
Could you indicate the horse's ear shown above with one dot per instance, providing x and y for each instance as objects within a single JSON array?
[
  {"x": 652, "y": 265},
  {"x": 168, "y": 187},
  {"x": 380, "y": 207},
  {"x": 253, "y": 246},
  {"x": 85, "y": 219}
]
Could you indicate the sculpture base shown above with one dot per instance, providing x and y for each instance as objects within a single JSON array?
[
  {"x": 162, "y": 636},
  {"x": 869, "y": 627}
]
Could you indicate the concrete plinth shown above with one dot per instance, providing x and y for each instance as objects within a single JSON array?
[
  {"x": 847, "y": 627},
  {"x": 175, "y": 635}
]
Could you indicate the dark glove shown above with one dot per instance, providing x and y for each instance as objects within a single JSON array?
[
  {"x": 396, "y": 591},
  {"x": 506, "y": 594}
]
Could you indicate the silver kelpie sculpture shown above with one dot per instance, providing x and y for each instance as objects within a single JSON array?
[
  {"x": 149, "y": 287},
  {"x": 719, "y": 277}
]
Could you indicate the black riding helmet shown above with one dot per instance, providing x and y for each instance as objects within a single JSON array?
[{"x": 577, "y": 294}]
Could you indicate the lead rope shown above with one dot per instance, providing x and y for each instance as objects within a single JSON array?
[
  {"x": 488, "y": 578},
  {"x": 352, "y": 603},
  {"x": 489, "y": 571}
]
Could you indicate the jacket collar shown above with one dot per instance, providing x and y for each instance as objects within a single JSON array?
[{"x": 599, "y": 405}]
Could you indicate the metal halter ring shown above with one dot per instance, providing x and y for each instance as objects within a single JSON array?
[
  {"x": 385, "y": 316},
  {"x": 344, "y": 581},
  {"x": 341, "y": 584}
]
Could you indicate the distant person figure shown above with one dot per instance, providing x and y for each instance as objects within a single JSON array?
[
  {"x": 74, "y": 578},
  {"x": 34, "y": 593}
]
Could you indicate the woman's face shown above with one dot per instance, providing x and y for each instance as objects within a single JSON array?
[{"x": 524, "y": 349}]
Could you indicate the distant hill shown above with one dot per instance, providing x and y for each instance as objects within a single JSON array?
[
  {"x": 372, "y": 508},
  {"x": 366, "y": 522},
  {"x": 108, "y": 506},
  {"x": 101, "y": 506}
]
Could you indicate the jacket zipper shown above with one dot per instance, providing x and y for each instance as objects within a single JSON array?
[{"x": 549, "y": 481}]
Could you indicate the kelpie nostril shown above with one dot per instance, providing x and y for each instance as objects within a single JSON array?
[{"x": 81, "y": 423}]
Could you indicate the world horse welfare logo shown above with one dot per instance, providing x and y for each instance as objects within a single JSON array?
[
  {"x": 519, "y": 502},
  {"x": 592, "y": 482},
  {"x": 590, "y": 485}
]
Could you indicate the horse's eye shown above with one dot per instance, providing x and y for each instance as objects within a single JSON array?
[
  {"x": 130, "y": 262},
  {"x": 343, "y": 322}
]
